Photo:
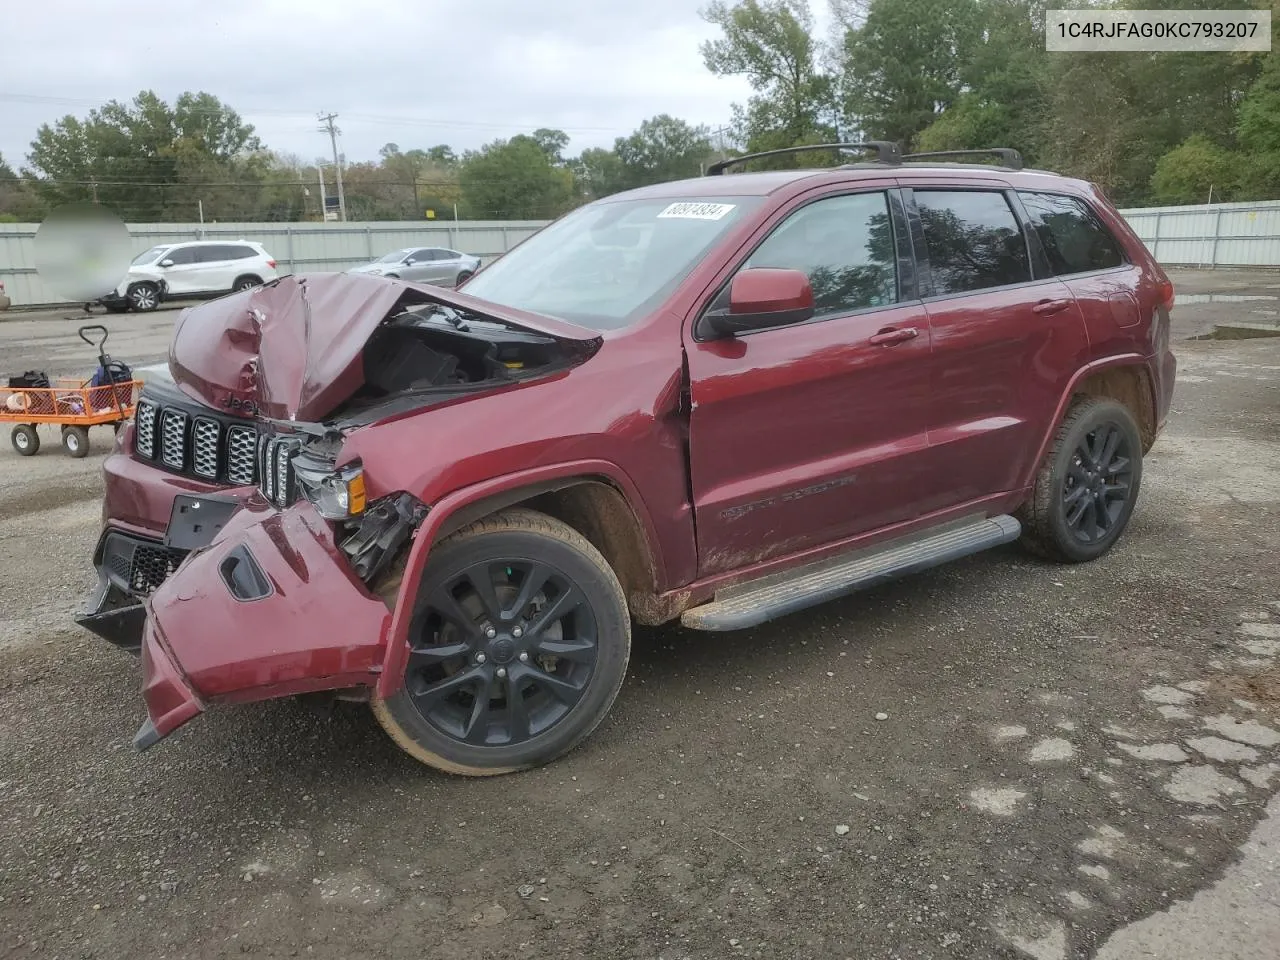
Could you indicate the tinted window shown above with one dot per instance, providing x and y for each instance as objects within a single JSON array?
[
  {"x": 240, "y": 253},
  {"x": 182, "y": 255},
  {"x": 973, "y": 239},
  {"x": 845, "y": 245},
  {"x": 421, "y": 256},
  {"x": 211, "y": 253},
  {"x": 1074, "y": 239}
]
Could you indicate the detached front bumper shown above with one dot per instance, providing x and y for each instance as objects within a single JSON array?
[
  {"x": 170, "y": 700},
  {"x": 270, "y": 609}
]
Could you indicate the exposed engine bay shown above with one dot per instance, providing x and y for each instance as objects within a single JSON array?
[{"x": 434, "y": 350}]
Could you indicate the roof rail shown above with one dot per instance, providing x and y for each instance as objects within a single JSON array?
[
  {"x": 885, "y": 150},
  {"x": 1010, "y": 158}
]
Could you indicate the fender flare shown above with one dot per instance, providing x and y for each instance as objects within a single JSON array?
[
  {"x": 1088, "y": 370},
  {"x": 451, "y": 513}
]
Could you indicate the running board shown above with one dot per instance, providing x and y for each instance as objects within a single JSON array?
[{"x": 767, "y": 598}]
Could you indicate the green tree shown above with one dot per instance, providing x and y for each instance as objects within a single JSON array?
[
  {"x": 514, "y": 179},
  {"x": 552, "y": 143},
  {"x": 663, "y": 148},
  {"x": 598, "y": 172},
  {"x": 771, "y": 43},
  {"x": 1188, "y": 172},
  {"x": 148, "y": 159},
  {"x": 1258, "y": 132},
  {"x": 905, "y": 65}
]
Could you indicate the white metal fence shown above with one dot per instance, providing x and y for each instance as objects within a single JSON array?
[
  {"x": 1211, "y": 235},
  {"x": 297, "y": 247},
  {"x": 1217, "y": 235}
]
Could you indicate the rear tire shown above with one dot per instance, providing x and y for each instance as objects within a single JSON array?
[
  {"x": 463, "y": 277},
  {"x": 25, "y": 440},
  {"x": 245, "y": 282},
  {"x": 1088, "y": 485},
  {"x": 75, "y": 440},
  {"x": 516, "y": 608},
  {"x": 143, "y": 297}
]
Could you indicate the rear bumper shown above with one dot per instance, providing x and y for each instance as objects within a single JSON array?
[{"x": 270, "y": 609}]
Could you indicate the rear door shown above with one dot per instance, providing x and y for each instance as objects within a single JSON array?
[
  {"x": 216, "y": 267},
  {"x": 806, "y": 434},
  {"x": 1007, "y": 338},
  {"x": 1079, "y": 249}
]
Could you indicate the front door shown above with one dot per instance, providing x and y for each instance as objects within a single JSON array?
[{"x": 806, "y": 434}]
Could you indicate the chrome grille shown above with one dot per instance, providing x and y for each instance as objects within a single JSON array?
[
  {"x": 275, "y": 467},
  {"x": 204, "y": 447},
  {"x": 173, "y": 437},
  {"x": 195, "y": 443},
  {"x": 242, "y": 451},
  {"x": 144, "y": 428}
]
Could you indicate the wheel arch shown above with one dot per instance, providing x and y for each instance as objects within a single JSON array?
[
  {"x": 594, "y": 497},
  {"x": 1125, "y": 379},
  {"x": 246, "y": 276}
]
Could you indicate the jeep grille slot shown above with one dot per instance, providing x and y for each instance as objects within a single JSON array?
[
  {"x": 204, "y": 447},
  {"x": 144, "y": 429},
  {"x": 196, "y": 443},
  {"x": 173, "y": 447},
  {"x": 275, "y": 467}
]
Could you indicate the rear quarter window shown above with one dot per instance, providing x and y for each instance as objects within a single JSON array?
[{"x": 1074, "y": 238}]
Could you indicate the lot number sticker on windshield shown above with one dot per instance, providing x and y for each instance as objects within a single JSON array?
[{"x": 697, "y": 211}]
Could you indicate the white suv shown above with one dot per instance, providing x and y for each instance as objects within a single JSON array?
[{"x": 187, "y": 271}]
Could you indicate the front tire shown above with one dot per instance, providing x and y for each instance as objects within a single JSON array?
[
  {"x": 1088, "y": 486},
  {"x": 144, "y": 297},
  {"x": 25, "y": 440},
  {"x": 519, "y": 644}
]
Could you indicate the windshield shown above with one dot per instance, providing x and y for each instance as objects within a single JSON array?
[
  {"x": 149, "y": 256},
  {"x": 604, "y": 265},
  {"x": 395, "y": 256}
]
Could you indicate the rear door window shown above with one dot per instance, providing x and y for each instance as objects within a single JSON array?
[
  {"x": 973, "y": 239},
  {"x": 1074, "y": 239}
]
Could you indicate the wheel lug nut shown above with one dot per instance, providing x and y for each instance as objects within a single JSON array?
[
  {"x": 517, "y": 632},
  {"x": 491, "y": 633},
  {"x": 480, "y": 658},
  {"x": 524, "y": 656},
  {"x": 502, "y": 671}
]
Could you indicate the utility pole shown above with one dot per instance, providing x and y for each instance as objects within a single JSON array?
[
  {"x": 329, "y": 128},
  {"x": 324, "y": 212}
]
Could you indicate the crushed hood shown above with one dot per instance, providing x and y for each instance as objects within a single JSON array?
[{"x": 292, "y": 349}]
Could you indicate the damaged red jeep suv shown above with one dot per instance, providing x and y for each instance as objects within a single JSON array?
[{"x": 720, "y": 401}]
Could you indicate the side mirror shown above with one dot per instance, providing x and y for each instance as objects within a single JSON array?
[
  {"x": 409, "y": 261},
  {"x": 759, "y": 298},
  {"x": 166, "y": 262}
]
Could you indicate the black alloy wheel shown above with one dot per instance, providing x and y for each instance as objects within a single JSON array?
[
  {"x": 518, "y": 646},
  {"x": 1087, "y": 486}
]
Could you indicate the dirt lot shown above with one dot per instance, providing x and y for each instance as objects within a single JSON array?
[{"x": 1067, "y": 750}]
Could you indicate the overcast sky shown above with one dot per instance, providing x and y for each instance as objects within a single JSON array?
[{"x": 461, "y": 72}]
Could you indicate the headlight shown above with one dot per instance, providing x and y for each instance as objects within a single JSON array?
[{"x": 336, "y": 495}]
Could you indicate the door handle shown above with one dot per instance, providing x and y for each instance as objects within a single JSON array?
[
  {"x": 894, "y": 335},
  {"x": 1045, "y": 307}
]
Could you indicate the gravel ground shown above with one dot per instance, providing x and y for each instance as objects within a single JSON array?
[{"x": 1062, "y": 751}]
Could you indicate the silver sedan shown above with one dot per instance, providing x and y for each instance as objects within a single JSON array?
[{"x": 438, "y": 265}]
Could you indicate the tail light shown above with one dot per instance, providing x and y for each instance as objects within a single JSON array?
[
  {"x": 271, "y": 264},
  {"x": 1166, "y": 294}
]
